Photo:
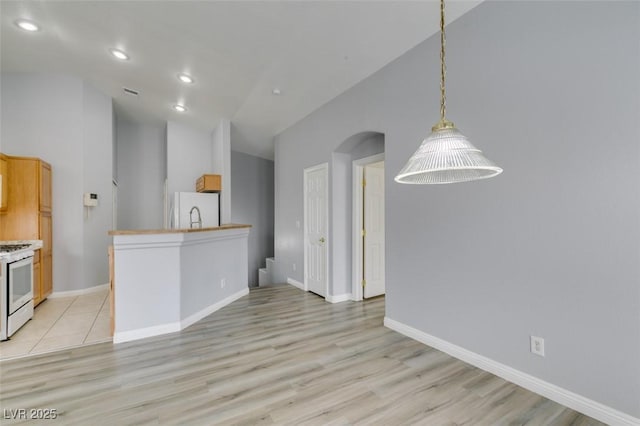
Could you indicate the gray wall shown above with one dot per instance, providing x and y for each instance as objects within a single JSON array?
[
  {"x": 252, "y": 203},
  {"x": 97, "y": 126},
  {"x": 550, "y": 92},
  {"x": 189, "y": 156},
  {"x": 141, "y": 150},
  {"x": 221, "y": 165},
  {"x": 67, "y": 123}
]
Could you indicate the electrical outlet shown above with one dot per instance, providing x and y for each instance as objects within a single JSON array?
[
  {"x": 298, "y": 224},
  {"x": 223, "y": 282},
  {"x": 537, "y": 345},
  {"x": 295, "y": 267}
]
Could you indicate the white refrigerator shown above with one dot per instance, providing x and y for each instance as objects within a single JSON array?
[{"x": 207, "y": 210}]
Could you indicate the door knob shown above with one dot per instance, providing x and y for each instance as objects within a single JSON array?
[{"x": 322, "y": 240}]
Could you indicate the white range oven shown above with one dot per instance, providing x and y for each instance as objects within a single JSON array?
[{"x": 16, "y": 287}]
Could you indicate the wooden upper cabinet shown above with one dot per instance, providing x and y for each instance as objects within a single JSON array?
[
  {"x": 20, "y": 222},
  {"x": 4, "y": 188},
  {"x": 209, "y": 183},
  {"x": 45, "y": 186},
  {"x": 28, "y": 215}
]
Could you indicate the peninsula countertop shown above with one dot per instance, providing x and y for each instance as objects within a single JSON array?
[{"x": 178, "y": 231}]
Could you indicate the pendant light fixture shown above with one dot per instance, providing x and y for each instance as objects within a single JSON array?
[{"x": 446, "y": 155}]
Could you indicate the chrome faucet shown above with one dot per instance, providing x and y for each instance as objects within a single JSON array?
[{"x": 199, "y": 221}]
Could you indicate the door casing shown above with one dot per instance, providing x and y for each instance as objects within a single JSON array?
[
  {"x": 325, "y": 167},
  {"x": 357, "y": 256}
]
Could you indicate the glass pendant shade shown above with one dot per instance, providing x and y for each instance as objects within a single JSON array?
[{"x": 446, "y": 156}]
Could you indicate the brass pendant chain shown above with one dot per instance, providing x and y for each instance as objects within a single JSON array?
[
  {"x": 443, "y": 68},
  {"x": 443, "y": 123}
]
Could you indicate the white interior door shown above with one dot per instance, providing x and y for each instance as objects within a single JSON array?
[
  {"x": 315, "y": 225},
  {"x": 374, "y": 230}
]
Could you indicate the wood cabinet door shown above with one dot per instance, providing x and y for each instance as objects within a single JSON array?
[
  {"x": 46, "y": 261},
  {"x": 45, "y": 187},
  {"x": 37, "y": 283},
  {"x": 46, "y": 234},
  {"x": 46, "y": 281},
  {"x": 21, "y": 220},
  {"x": 4, "y": 173}
]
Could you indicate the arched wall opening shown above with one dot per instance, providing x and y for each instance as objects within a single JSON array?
[{"x": 356, "y": 147}]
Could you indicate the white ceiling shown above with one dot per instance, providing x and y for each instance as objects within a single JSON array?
[{"x": 237, "y": 51}]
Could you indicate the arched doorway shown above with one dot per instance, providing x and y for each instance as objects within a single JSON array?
[{"x": 358, "y": 235}]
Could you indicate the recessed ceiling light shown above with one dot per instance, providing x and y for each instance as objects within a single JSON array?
[
  {"x": 185, "y": 78},
  {"x": 180, "y": 108},
  {"x": 119, "y": 54},
  {"x": 276, "y": 92},
  {"x": 27, "y": 25}
]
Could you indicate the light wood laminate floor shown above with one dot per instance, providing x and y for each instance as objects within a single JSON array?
[{"x": 276, "y": 356}]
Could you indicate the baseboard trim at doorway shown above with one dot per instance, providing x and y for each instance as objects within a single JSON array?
[
  {"x": 74, "y": 293},
  {"x": 338, "y": 298},
  {"x": 295, "y": 283}
]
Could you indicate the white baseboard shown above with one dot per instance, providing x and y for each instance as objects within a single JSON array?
[
  {"x": 338, "y": 298},
  {"x": 555, "y": 393},
  {"x": 141, "y": 333},
  {"x": 192, "y": 319},
  {"x": 295, "y": 283},
  {"x": 331, "y": 299},
  {"x": 82, "y": 292}
]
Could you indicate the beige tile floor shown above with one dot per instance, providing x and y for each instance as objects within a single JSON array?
[{"x": 61, "y": 323}]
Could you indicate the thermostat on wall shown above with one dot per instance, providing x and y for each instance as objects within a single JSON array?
[{"x": 90, "y": 199}]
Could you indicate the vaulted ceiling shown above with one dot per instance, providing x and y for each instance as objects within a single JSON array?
[{"x": 238, "y": 52}]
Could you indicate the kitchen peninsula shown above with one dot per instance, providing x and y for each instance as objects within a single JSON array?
[{"x": 165, "y": 280}]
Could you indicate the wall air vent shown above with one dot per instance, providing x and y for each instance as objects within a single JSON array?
[{"x": 130, "y": 91}]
